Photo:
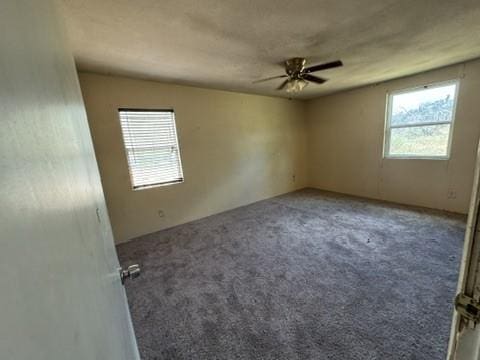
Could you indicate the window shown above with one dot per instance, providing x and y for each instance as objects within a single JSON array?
[
  {"x": 420, "y": 121},
  {"x": 151, "y": 145}
]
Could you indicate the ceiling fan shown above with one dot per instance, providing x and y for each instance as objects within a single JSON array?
[{"x": 298, "y": 76}]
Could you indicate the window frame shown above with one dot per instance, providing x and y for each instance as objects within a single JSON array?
[
  {"x": 388, "y": 127},
  {"x": 161, "y": 184}
]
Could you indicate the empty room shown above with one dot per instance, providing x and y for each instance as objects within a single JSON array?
[{"x": 239, "y": 179}]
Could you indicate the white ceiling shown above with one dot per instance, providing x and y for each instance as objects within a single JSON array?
[{"x": 226, "y": 44}]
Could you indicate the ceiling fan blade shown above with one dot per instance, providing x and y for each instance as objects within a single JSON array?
[
  {"x": 282, "y": 85},
  {"x": 270, "y": 78},
  {"x": 325, "y": 66},
  {"x": 314, "y": 79}
]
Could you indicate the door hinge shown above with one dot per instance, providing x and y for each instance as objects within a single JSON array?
[{"x": 468, "y": 308}]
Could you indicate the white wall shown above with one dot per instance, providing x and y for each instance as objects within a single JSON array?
[
  {"x": 60, "y": 292},
  {"x": 345, "y": 145},
  {"x": 236, "y": 149}
]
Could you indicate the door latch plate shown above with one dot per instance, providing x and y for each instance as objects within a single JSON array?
[{"x": 468, "y": 308}]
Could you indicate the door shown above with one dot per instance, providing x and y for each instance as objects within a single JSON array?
[
  {"x": 60, "y": 292},
  {"x": 465, "y": 334}
]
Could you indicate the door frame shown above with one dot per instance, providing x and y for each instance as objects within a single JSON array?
[{"x": 468, "y": 279}]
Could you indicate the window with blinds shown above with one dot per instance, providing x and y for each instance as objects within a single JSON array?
[{"x": 151, "y": 145}]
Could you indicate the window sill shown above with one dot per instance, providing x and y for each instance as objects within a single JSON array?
[
  {"x": 400, "y": 157},
  {"x": 157, "y": 185}
]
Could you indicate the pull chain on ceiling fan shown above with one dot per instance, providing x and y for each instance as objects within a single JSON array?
[{"x": 298, "y": 76}]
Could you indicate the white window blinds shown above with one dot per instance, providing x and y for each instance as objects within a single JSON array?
[{"x": 151, "y": 146}]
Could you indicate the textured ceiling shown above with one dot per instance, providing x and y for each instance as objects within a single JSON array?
[{"x": 226, "y": 44}]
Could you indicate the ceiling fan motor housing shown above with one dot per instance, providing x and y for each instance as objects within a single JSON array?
[{"x": 294, "y": 66}]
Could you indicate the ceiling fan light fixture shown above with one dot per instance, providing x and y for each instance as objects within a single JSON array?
[
  {"x": 296, "y": 85},
  {"x": 297, "y": 76}
]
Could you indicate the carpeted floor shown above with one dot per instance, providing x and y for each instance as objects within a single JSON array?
[{"x": 307, "y": 275}]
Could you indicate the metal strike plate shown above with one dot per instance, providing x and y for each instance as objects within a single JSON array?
[{"x": 468, "y": 308}]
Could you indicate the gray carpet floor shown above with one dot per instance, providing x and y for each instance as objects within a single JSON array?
[{"x": 306, "y": 275}]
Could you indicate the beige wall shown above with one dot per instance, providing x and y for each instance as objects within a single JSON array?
[
  {"x": 236, "y": 149},
  {"x": 345, "y": 145}
]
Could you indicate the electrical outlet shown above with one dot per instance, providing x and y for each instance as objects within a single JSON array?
[
  {"x": 451, "y": 194},
  {"x": 161, "y": 213}
]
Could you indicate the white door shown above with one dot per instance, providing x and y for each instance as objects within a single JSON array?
[
  {"x": 60, "y": 292},
  {"x": 465, "y": 334}
]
